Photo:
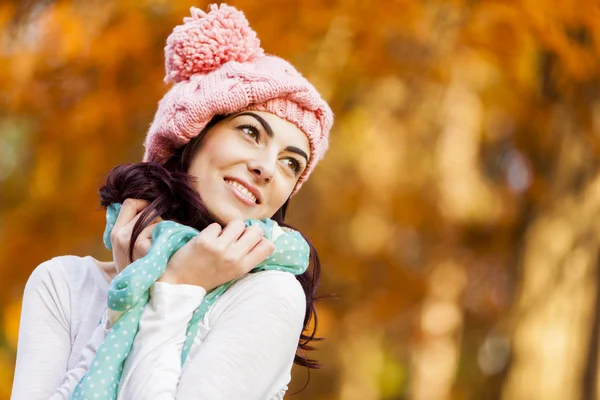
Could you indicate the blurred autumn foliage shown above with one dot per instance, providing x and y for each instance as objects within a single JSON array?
[{"x": 457, "y": 212}]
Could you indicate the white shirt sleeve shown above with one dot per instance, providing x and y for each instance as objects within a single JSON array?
[
  {"x": 153, "y": 366},
  {"x": 44, "y": 340},
  {"x": 250, "y": 347}
]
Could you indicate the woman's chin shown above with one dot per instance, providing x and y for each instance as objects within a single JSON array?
[{"x": 225, "y": 216}]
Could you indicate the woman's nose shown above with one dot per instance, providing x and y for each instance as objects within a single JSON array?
[{"x": 262, "y": 169}]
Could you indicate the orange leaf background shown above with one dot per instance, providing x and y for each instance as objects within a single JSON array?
[{"x": 456, "y": 213}]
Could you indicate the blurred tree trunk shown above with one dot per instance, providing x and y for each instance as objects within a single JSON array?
[
  {"x": 590, "y": 378},
  {"x": 553, "y": 318}
]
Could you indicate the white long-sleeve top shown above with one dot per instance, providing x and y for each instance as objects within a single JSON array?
[{"x": 244, "y": 348}]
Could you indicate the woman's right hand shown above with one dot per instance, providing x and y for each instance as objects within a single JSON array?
[
  {"x": 120, "y": 237},
  {"x": 216, "y": 256}
]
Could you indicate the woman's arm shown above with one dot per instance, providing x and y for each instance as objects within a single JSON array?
[
  {"x": 248, "y": 353},
  {"x": 153, "y": 366},
  {"x": 250, "y": 349},
  {"x": 44, "y": 338}
]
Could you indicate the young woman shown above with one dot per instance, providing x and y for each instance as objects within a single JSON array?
[{"x": 233, "y": 139}]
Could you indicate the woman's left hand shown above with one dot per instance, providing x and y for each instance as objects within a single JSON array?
[{"x": 216, "y": 256}]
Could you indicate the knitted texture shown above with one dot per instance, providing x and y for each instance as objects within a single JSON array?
[
  {"x": 207, "y": 40},
  {"x": 129, "y": 292},
  {"x": 218, "y": 68}
]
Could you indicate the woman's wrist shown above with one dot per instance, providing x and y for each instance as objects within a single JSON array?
[{"x": 173, "y": 278}]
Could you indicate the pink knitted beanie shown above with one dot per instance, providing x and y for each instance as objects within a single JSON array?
[{"x": 218, "y": 68}]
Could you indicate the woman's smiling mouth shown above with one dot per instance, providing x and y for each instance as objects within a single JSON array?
[{"x": 244, "y": 193}]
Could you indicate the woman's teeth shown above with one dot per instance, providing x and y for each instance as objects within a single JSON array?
[{"x": 242, "y": 189}]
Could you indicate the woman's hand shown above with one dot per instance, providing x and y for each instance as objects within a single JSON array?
[
  {"x": 216, "y": 256},
  {"x": 120, "y": 236}
]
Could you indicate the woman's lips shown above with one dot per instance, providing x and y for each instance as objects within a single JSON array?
[{"x": 241, "y": 192}]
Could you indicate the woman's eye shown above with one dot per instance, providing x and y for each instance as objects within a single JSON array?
[
  {"x": 293, "y": 164},
  {"x": 250, "y": 131}
]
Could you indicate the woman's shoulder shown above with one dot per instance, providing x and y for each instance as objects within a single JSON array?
[
  {"x": 265, "y": 290},
  {"x": 271, "y": 284},
  {"x": 266, "y": 298},
  {"x": 63, "y": 272}
]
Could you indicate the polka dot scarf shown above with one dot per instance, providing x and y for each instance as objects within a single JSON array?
[{"x": 128, "y": 294}]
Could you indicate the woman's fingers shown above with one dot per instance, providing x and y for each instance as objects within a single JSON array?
[
  {"x": 258, "y": 254},
  {"x": 205, "y": 261},
  {"x": 129, "y": 210},
  {"x": 231, "y": 233},
  {"x": 120, "y": 236},
  {"x": 148, "y": 230},
  {"x": 249, "y": 238},
  {"x": 123, "y": 232},
  {"x": 208, "y": 235},
  {"x": 144, "y": 240}
]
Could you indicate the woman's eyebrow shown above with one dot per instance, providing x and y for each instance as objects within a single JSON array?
[
  {"x": 298, "y": 151},
  {"x": 270, "y": 133},
  {"x": 261, "y": 120}
]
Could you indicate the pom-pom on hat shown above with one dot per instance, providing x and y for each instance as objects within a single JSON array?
[
  {"x": 207, "y": 40},
  {"x": 218, "y": 68}
]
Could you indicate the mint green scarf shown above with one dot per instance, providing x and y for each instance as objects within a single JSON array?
[{"x": 128, "y": 294}]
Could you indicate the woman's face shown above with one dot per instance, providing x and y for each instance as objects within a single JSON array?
[{"x": 247, "y": 165}]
